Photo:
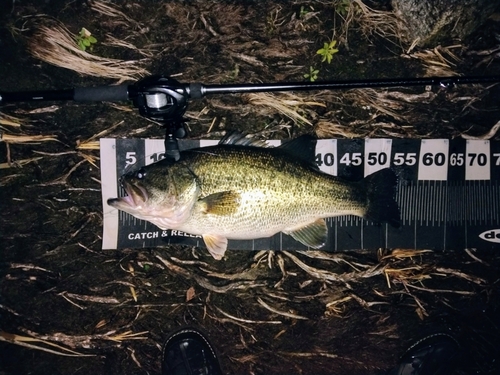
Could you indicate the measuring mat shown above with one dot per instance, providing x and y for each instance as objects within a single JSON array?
[{"x": 448, "y": 194}]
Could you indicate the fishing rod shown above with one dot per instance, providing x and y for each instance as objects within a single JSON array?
[{"x": 165, "y": 100}]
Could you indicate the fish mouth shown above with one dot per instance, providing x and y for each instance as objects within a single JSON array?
[{"x": 135, "y": 197}]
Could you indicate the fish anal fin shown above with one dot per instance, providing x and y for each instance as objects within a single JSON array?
[
  {"x": 222, "y": 203},
  {"x": 312, "y": 235},
  {"x": 216, "y": 245}
]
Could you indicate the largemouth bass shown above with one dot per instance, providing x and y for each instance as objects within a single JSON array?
[{"x": 240, "y": 190}]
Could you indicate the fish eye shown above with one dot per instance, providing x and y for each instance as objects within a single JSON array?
[{"x": 140, "y": 174}]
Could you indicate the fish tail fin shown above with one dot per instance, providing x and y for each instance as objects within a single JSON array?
[{"x": 381, "y": 189}]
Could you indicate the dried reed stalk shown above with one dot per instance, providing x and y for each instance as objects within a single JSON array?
[
  {"x": 8, "y": 120},
  {"x": 19, "y": 163},
  {"x": 27, "y": 342},
  {"x": 11, "y": 138}
]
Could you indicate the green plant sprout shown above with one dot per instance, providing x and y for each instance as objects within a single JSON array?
[
  {"x": 85, "y": 39},
  {"x": 328, "y": 51},
  {"x": 312, "y": 75},
  {"x": 235, "y": 72},
  {"x": 342, "y": 7},
  {"x": 303, "y": 12}
]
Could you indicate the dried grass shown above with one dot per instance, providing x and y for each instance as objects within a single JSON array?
[
  {"x": 371, "y": 22},
  {"x": 367, "y": 128},
  {"x": 92, "y": 143},
  {"x": 288, "y": 104},
  {"x": 56, "y": 45},
  {"x": 115, "y": 42},
  {"x": 372, "y": 112},
  {"x": 337, "y": 283},
  {"x": 110, "y": 11},
  {"x": 439, "y": 61},
  {"x": 230, "y": 17},
  {"x": 330, "y": 129},
  {"x": 379, "y": 102}
]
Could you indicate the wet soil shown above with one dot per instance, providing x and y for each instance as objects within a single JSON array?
[{"x": 270, "y": 312}]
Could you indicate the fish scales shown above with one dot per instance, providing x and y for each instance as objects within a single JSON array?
[{"x": 275, "y": 192}]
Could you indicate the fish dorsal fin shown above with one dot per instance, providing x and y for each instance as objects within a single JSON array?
[
  {"x": 216, "y": 245},
  {"x": 312, "y": 235},
  {"x": 222, "y": 203},
  {"x": 242, "y": 139},
  {"x": 303, "y": 147}
]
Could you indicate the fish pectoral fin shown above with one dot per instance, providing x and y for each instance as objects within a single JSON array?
[
  {"x": 216, "y": 245},
  {"x": 312, "y": 235},
  {"x": 222, "y": 203}
]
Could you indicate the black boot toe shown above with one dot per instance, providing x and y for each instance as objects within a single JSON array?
[{"x": 188, "y": 352}]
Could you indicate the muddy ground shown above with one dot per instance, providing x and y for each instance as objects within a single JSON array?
[{"x": 353, "y": 312}]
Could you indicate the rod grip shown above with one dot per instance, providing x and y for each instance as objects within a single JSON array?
[{"x": 101, "y": 93}]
